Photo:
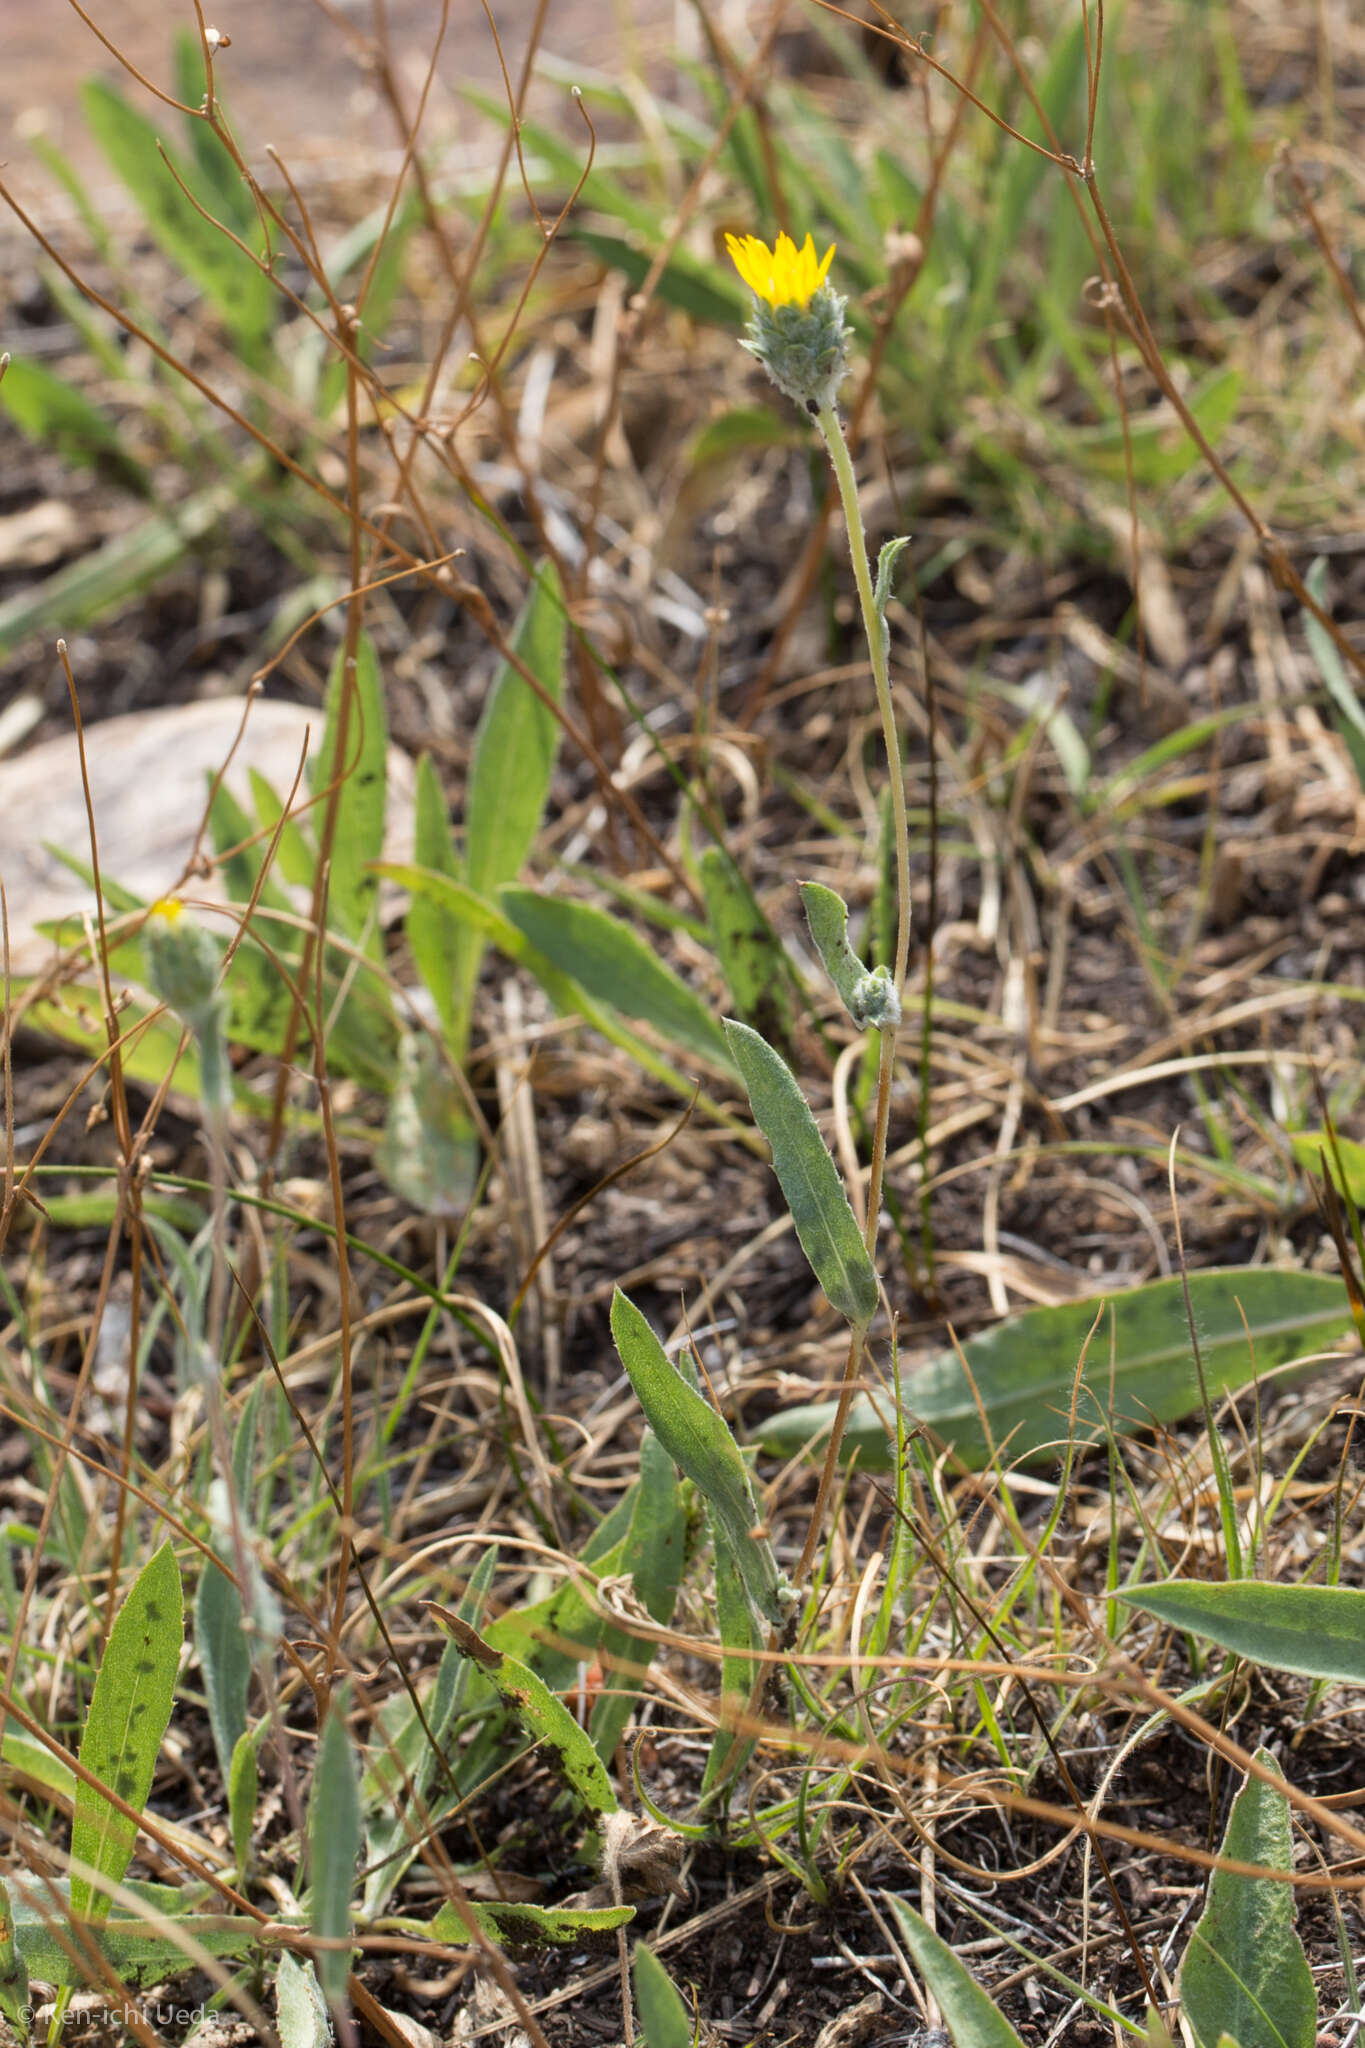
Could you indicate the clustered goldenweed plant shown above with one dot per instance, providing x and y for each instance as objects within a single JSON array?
[{"x": 846, "y": 1689}]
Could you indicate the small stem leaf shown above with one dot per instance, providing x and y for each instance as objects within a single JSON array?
[
  {"x": 1024, "y": 1370},
  {"x": 13, "y": 1972},
  {"x": 881, "y": 596},
  {"x": 130, "y": 1709},
  {"x": 869, "y": 996},
  {"x": 300, "y": 2008},
  {"x": 1318, "y": 1631},
  {"x": 224, "y": 1658},
  {"x": 1245, "y": 1972},
  {"x": 697, "y": 1439},
  {"x": 334, "y": 1837},
  {"x": 973, "y": 2020},
  {"x": 664, "y": 2020},
  {"x": 542, "y": 1717},
  {"x": 810, "y": 1182}
]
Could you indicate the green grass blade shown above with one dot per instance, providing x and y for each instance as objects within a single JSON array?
[
  {"x": 606, "y": 958},
  {"x": 130, "y": 1709},
  {"x": 810, "y": 1182},
  {"x": 51, "y": 411},
  {"x": 238, "y": 290},
  {"x": 1318, "y": 1631},
  {"x": 334, "y": 1838},
  {"x": 1024, "y": 1369},
  {"x": 973, "y": 2020},
  {"x": 663, "y": 2017},
  {"x": 1245, "y": 1972},
  {"x": 697, "y": 1439}
]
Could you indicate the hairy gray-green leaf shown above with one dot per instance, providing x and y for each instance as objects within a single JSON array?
[
  {"x": 973, "y": 2021},
  {"x": 300, "y": 2008},
  {"x": 696, "y": 1438},
  {"x": 224, "y": 1657},
  {"x": 1245, "y": 1972},
  {"x": 334, "y": 1837},
  {"x": 1318, "y": 1631},
  {"x": 606, "y": 958},
  {"x": 429, "y": 1153},
  {"x": 1024, "y": 1369},
  {"x": 809, "y": 1179},
  {"x": 869, "y": 995},
  {"x": 664, "y": 2020},
  {"x": 129, "y": 1712}
]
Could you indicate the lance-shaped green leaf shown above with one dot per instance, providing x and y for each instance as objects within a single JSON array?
[
  {"x": 353, "y": 889},
  {"x": 809, "y": 1179},
  {"x": 606, "y": 958},
  {"x": 160, "y": 1945},
  {"x": 696, "y": 1438},
  {"x": 1023, "y": 1371},
  {"x": 224, "y": 1658},
  {"x": 433, "y": 929},
  {"x": 1245, "y": 1972},
  {"x": 243, "y": 1783},
  {"x": 527, "y": 1926},
  {"x": 652, "y": 1554},
  {"x": 664, "y": 2020},
  {"x": 542, "y": 1716},
  {"x": 881, "y": 596},
  {"x": 973, "y": 2020},
  {"x": 334, "y": 1835},
  {"x": 129, "y": 1711},
  {"x": 509, "y": 775},
  {"x": 750, "y": 954},
  {"x": 741, "y": 1636},
  {"x": 1318, "y": 1631}
]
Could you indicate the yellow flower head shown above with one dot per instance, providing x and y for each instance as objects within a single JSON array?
[
  {"x": 783, "y": 275},
  {"x": 167, "y": 910}
]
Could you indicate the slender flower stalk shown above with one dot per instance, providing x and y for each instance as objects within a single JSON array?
[{"x": 798, "y": 332}]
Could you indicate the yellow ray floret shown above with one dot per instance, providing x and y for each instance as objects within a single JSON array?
[{"x": 783, "y": 275}]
